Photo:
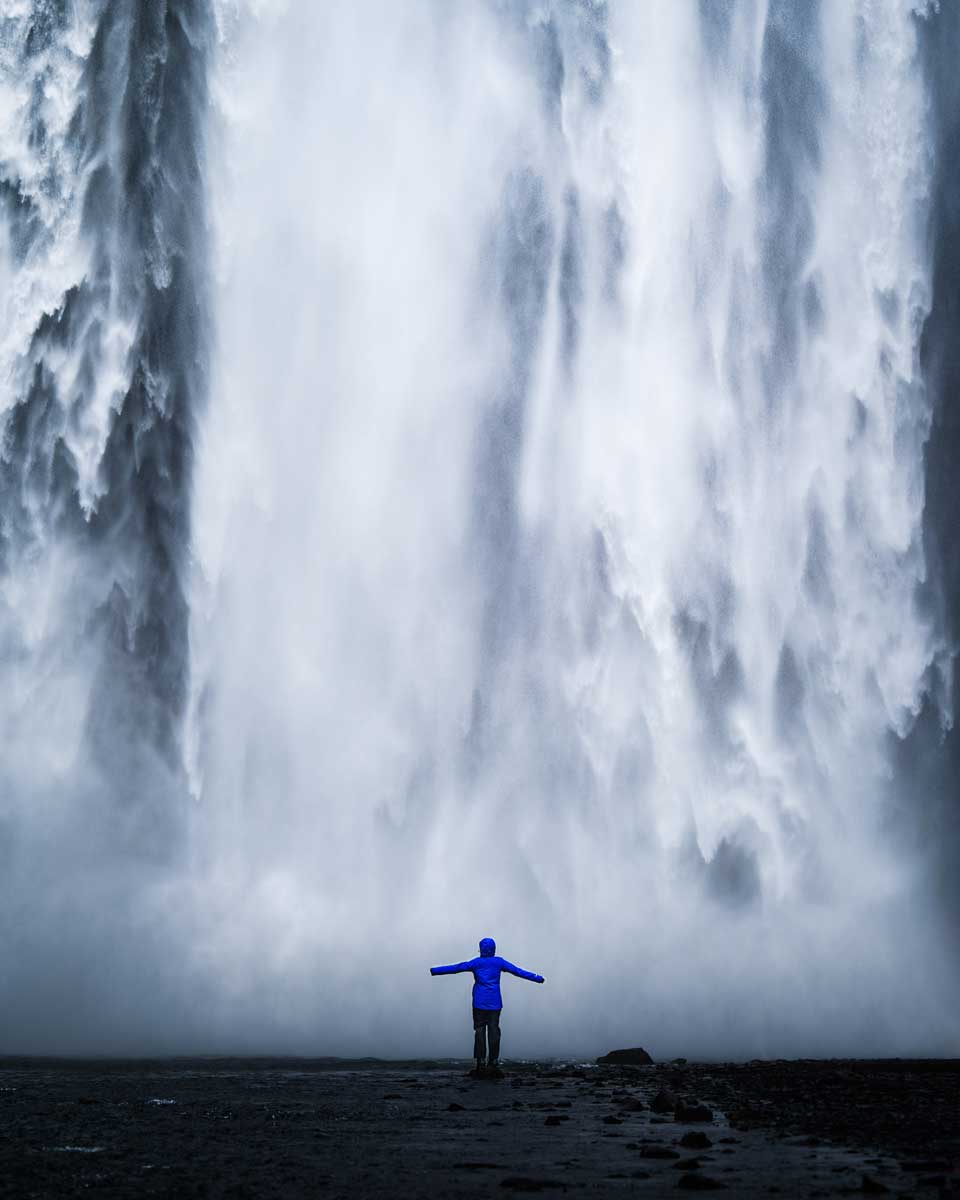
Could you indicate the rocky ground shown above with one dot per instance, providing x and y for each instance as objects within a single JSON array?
[{"x": 290, "y": 1128}]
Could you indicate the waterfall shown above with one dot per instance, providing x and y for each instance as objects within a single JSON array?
[{"x": 469, "y": 470}]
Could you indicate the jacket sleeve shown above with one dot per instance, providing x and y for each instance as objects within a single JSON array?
[
  {"x": 453, "y": 969},
  {"x": 520, "y": 973}
]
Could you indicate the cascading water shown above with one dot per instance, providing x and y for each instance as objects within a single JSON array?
[{"x": 474, "y": 469}]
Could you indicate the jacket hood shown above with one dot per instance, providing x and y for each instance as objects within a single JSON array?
[{"x": 487, "y": 947}]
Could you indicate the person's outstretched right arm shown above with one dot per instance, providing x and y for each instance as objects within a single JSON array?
[{"x": 452, "y": 969}]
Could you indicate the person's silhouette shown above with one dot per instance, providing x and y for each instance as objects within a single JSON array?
[{"x": 487, "y": 1001}]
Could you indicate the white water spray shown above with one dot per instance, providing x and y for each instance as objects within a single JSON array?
[{"x": 556, "y": 531}]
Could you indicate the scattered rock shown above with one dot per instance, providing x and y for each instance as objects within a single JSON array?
[
  {"x": 612, "y": 1120},
  {"x": 664, "y": 1101},
  {"x": 873, "y": 1186},
  {"x": 453, "y": 1106},
  {"x": 524, "y": 1183},
  {"x": 631, "y": 1105},
  {"x": 659, "y": 1152},
  {"x": 634, "y": 1057},
  {"x": 700, "y": 1183},
  {"x": 695, "y": 1140},
  {"x": 556, "y": 1119},
  {"x": 692, "y": 1112}
]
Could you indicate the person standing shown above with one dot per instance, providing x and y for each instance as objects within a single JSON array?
[{"x": 487, "y": 1002}]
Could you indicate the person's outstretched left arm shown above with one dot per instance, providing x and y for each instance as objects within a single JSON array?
[
  {"x": 452, "y": 969},
  {"x": 520, "y": 973}
]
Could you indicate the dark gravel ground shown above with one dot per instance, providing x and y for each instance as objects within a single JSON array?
[{"x": 291, "y": 1128}]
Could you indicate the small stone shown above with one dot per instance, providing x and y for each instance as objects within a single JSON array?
[
  {"x": 700, "y": 1183},
  {"x": 663, "y": 1101},
  {"x": 611, "y": 1120},
  {"x": 692, "y": 1112},
  {"x": 524, "y": 1183},
  {"x": 695, "y": 1140},
  {"x": 631, "y": 1105},
  {"x": 873, "y": 1186},
  {"x": 455, "y": 1107},
  {"x": 636, "y": 1056},
  {"x": 556, "y": 1119},
  {"x": 659, "y": 1152}
]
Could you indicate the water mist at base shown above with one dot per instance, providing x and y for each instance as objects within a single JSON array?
[{"x": 555, "y": 565}]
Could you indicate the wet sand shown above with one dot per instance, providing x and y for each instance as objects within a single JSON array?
[{"x": 291, "y": 1127}]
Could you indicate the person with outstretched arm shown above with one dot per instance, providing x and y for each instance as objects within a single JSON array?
[{"x": 487, "y": 1002}]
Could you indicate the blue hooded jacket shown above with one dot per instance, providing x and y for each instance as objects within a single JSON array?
[{"x": 486, "y": 974}]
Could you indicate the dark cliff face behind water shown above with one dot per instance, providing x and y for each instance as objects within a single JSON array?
[
  {"x": 485, "y": 466},
  {"x": 100, "y": 420}
]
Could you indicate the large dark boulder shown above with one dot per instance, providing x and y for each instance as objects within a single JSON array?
[{"x": 635, "y": 1057}]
